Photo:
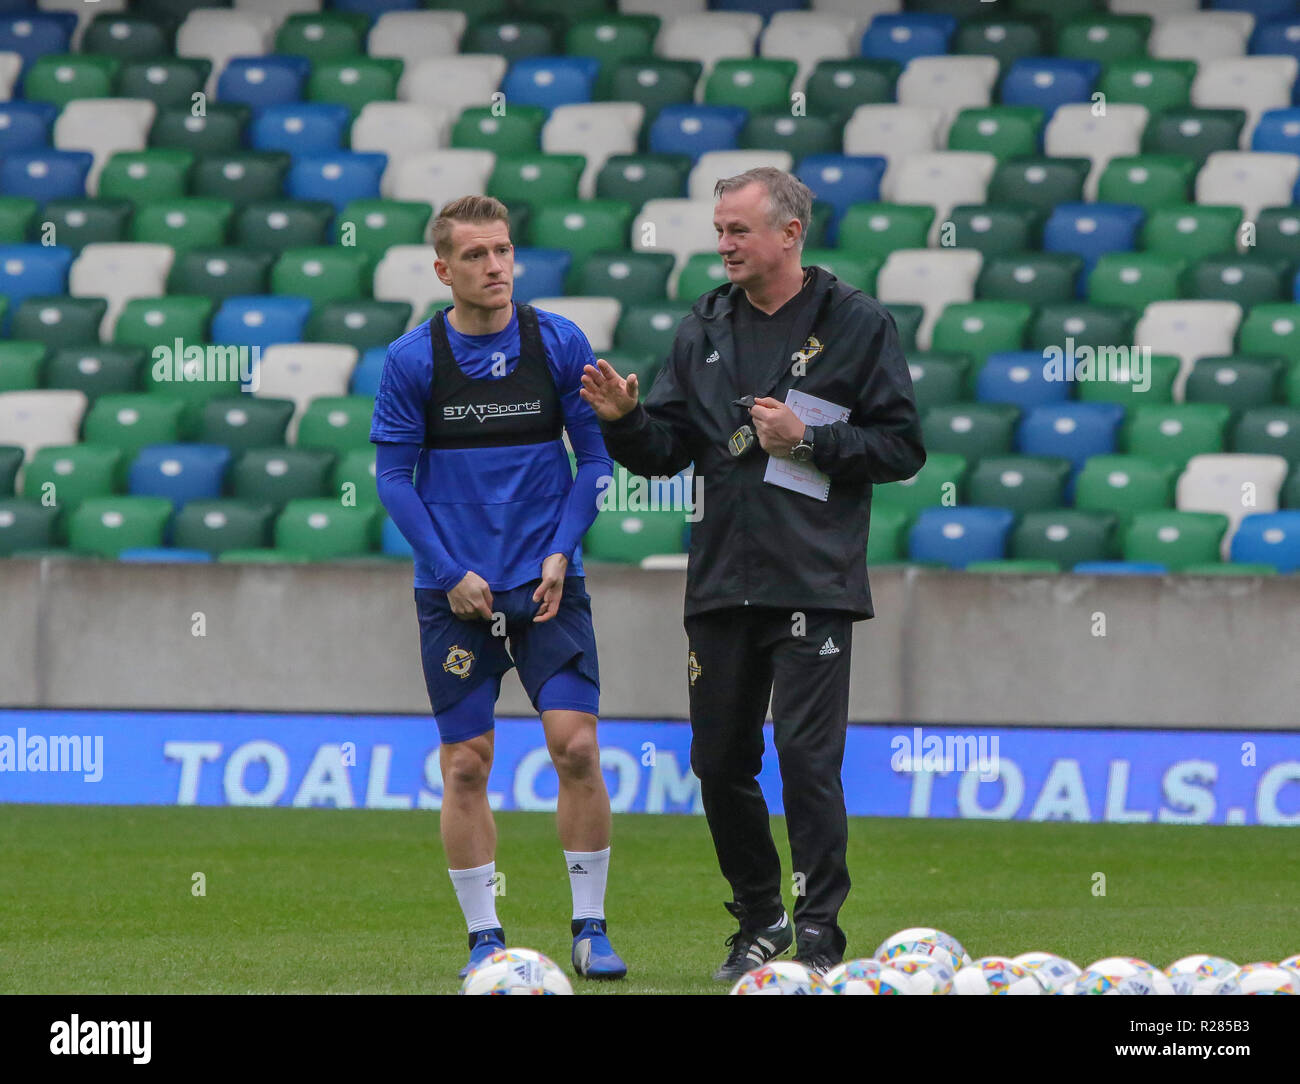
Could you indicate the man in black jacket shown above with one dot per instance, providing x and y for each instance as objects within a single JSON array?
[{"x": 776, "y": 575}]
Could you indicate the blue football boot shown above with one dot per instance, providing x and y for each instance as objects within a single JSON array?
[
  {"x": 593, "y": 956},
  {"x": 481, "y": 945}
]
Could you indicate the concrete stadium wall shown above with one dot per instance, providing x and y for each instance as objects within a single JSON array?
[{"x": 945, "y": 648}]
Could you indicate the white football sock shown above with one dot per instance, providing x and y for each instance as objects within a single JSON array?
[
  {"x": 587, "y": 873},
  {"x": 477, "y": 900}
]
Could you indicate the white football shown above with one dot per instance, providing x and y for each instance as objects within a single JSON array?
[
  {"x": 781, "y": 977},
  {"x": 995, "y": 975},
  {"x": 1127, "y": 975},
  {"x": 1052, "y": 972},
  {"x": 925, "y": 940},
  {"x": 867, "y": 977},
  {"x": 516, "y": 971},
  {"x": 1202, "y": 974},
  {"x": 926, "y": 974},
  {"x": 1268, "y": 978}
]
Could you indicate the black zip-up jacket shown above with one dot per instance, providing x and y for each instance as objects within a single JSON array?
[{"x": 756, "y": 544}]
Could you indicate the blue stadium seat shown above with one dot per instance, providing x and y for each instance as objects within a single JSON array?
[
  {"x": 166, "y": 554},
  {"x": 337, "y": 178},
  {"x": 365, "y": 377},
  {"x": 32, "y": 270},
  {"x": 260, "y": 321},
  {"x": 179, "y": 472},
  {"x": 1271, "y": 538},
  {"x": 1016, "y": 376},
  {"x": 958, "y": 536},
  {"x": 540, "y": 272},
  {"x": 46, "y": 175},
  {"x": 393, "y": 541},
  {"x": 1261, "y": 9},
  {"x": 263, "y": 80},
  {"x": 1279, "y": 37},
  {"x": 375, "y": 8},
  {"x": 1278, "y": 130},
  {"x": 300, "y": 128},
  {"x": 695, "y": 129},
  {"x": 34, "y": 34},
  {"x": 1092, "y": 229},
  {"x": 903, "y": 36},
  {"x": 1120, "y": 568},
  {"x": 765, "y": 8},
  {"x": 1047, "y": 82},
  {"x": 548, "y": 81},
  {"x": 1073, "y": 431},
  {"x": 25, "y": 126},
  {"x": 842, "y": 180}
]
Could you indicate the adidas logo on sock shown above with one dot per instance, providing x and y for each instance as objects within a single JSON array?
[
  {"x": 829, "y": 648},
  {"x": 576, "y": 868}
]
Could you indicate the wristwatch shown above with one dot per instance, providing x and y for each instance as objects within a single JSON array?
[{"x": 802, "y": 452}]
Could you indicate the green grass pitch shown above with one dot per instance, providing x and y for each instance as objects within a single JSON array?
[{"x": 100, "y": 900}]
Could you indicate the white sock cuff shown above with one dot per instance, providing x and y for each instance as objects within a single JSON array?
[{"x": 586, "y": 856}]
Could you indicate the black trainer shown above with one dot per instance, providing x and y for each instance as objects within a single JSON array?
[
  {"x": 819, "y": 948},
  {"x": 753, "y": 947}
]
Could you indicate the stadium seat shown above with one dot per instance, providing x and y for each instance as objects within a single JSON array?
[
  {"x": 26, "y": 126},
  {"x": 21, "y": 362},
  {"x": 95, "y": 369},
  {"x": 452, "y": 83},
  {"x": 243, "y": 177},
  {"x": 324, "y": 529},
  {"x": 971, "y": 430},
  {"x": 1049, "y": 82},
  {"x": 59, "y": 320},
  {"x": 60, "y": 79},
  {"x": 300, "y": 128},
  {"x": 1018, "y": 377},
  {"x": 907, "y": 320},
  {"x": 940, "y": 179},
  {"x": 712, "y": 166},
  {"x": 130, "y": 421},
  {"x": 938, "y": 379},
  {"x": 1034, "y": 277},
  {"x": 399, "y": 129},
  {"x": 841, "y": 181},
  {"x": 375, "y": 225},
  {"x": 1148, "y": 180},
  {"x": 808, "y": 37},
  {"x": 1119, "y": 568},
  {"x": 610, "y": 38},
  {"x": 636, "y": 178},
  {"x": 1073, "y": 431},
  {"x": 886, "y": 541},
  {"x": 360, "y": 323},
  {"x": 1039, "y": 183},
  {"x": 880, "y": 228},
  {"x": 303, "y": 372},
  {"x": 511, "y": 37},
  {"x": 1087, "y": 325},
  {"x": 1247, "y": 280},
  {"x": 1091, "y": 229},
  {"x": 536, "y": 179},
  {"x": 1271, "y": 330},
  {"x": 939, "y": 483},
  {"x": 1104, "y": 37},
  {"x": 104, "y": 526},
  {"x": 1004, "y": 131},
  {"x": 1197, "y": 133},
  {"x": 1175, "y": 433},
  {"x": 709, "y": 37},
  {"x": 992, "y": 229},
  {"x": 1270, "y": 430},
  {"x": 1190, "y": 330},
  {"x": 595, "y": 130},
  {"x": 27, "y": 270},
  {"x": 219, "y": 272},
  {"x": 957, "y": 536},
  {"x": 1269, "y": 538},
  {"x": 322, "y": 35},
  {"x": 1250, "y": 180},
  {"x": 1192, "y": 231},
  {"x": 244, "y": 421},
  {"x": 329, "y": 273},
  {"x": 221, "y": 129},
  {"x": 260, "y": 321},
  {"x": 103, "y": 126},
  {"x": 1134, "y": 278},
  {"x": 366, "y": 376},
  {"x": 1278, "y": 131},
  {"x": 1020, "y": 483},
  {"x": 1006, "y": 39},
  {"x": 354, "y": 82},
  {"x": 263, "y": 81},
  {"x": 596, "y": 316},
  {"x": 1218, "y": 483},
  {"x": 694, "y": 129},
  {"x": 1064, "y": 535},
  {"x": 948, "y": 83},
  {"x": 273, "y": 476},
  {"x": 126, "y": 35},
  {"x": 46, "y": 174},
  {"x": 630, "y": 537},
  {"x": 655, "y": 82},
  {"x": 630, "y": 277},
  {"x": 892, "y": 132},
  {"x": 406, "y": 273},
  {"x": 1120, "y": 378},
  {"x": 1202, "y": 36},
  {"x": 1124, "y": 484},
  {"x": 65, "y": 475},
  {"x": 931, "y": 278},
  {"x": 586, "y": 226},
  {"x": 336, "y": 423},
  {"x": 836, "y": 88},
  {"x": 1277, "y": 36},
  {"x": 354, "y": 477},
  {"x": 178, "y": 472},
  {"x": 1253, "y": 83},
  {"x": 904, "y": 36},
  {"x": 681, "y": 227},
  {"x": 540, "y": 272},
  {"x": 182, "y": 223},
  {"x": 220, "y": 35},
  {"x": 754, "y": 83},
  {"x": 1157, "y": 85},
  {"x": 981, "y": 328},
  {"x": 1237, "y": 381},
  {"x": 214, "y": 526},
  {"x": 336, "y": 178},
  {"x": 1075, "y": 132}
]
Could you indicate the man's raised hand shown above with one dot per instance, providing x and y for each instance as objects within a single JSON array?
[{"x": 608, "y": 394}]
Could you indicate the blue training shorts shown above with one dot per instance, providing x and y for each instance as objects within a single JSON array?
[{"x": 464, "y": 661}]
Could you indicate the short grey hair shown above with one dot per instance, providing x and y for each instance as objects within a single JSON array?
[{"x": 789, "y": 197}]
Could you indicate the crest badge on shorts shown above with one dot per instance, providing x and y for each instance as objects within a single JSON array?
[
  {"x": 693, "y": 667},
  {"x": 458, "y": 661}
]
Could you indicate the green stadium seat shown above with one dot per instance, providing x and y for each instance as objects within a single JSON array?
[
  {"x": 1290, "y": 496},
  {"x": 276, "y": 475},
  {"x": 62, "y": 476},
  {"x": 1008, "y": 39},
  {"x": 336, "y": 423},
  {"x": 164, "y": 80},
  {"x": 59, "y": 320},
  {"x": 1059, "y": 12},
  {"x": 95, "y": 369},
  {"x": 1019, "y": 568},
  {"x": 17, "y": 213},
  {"x": 354, "y": 81},
  {"x": 1277, "y": 233},
  {"x": 1040, "y": 183},
  {"x": 104, "y": 526},
  {"x": 837, "y": 87},
  {"x": 517, "y": 131},
  {"x": 582, "y": 226},
  {"x": 1196, "y": 133},
  {"x": 1247, "y": 280},
  {"x": 851, "y": 267},
  {"x": 354, "y": 478},
  {"x": 630, "y": 537},
  {"x": 129, "y": 36},
  {"x": 373, "y": 225},
  {"x": 1230, "y": 568},
  {"x": 1271, "y": 331},
  {"x": 972, "y": 430},
  {"x": 1157, "y": 386},
  {"x": 1156, "y": 84},
  {"x": 363, "y": 324},
  {"x": 79, "y": 222},
  {"x": 324, "y": 273},
  {"x": 1004, "y": 131},
  {"x": 59, "y": 78},
  {"x": 241, "y": 422},
  {"x": 183, "y": 223},
  {"x": 1036, "y": 278},
  {"x": 755, "y": 83},
  {"x": 324, "y": 529},
  {"x": 1174, "y": 433},
  {"x": 1268, "y": 430},
  {"x": 938, "y": 379},
  {"x": 148, "y": 321},
  {"x": 1134, "y": 279},
  {"x": 1124, "y": 484},
  {"x": 631, "y": 277},
  {"x": 938, "y": 483},
  {"x": 537, "y": 179},
  {"x": 243, "y": 177},
  {"x": 1064, "y": 535},
  {"x": 1090, "y": 325},
  {"x": 145, "y": 177},
  {"x": 655, "y": 82},
  {"x": 981, "y": 328},
  {"x": 1239, "y": 382},
  {"x": 218, "y": 526},
  {"x": 703, "y": 272},
  {"x": 907, "y": 320},
  {"x": 21, "y": 362},
  {"x": 1174, "y": 539},
  {"x": 221, "y": 272},
  {"x": 887, "y": 536},
  {"x": 994, "y": 229},
  {"x": 322, "y": 36},
  {"x": 11, "y": 458},
  {"x": 1192, "y": 231},
  {"x": 777, "y": 130},
  {"x": 625, "y": 362},
  {"x": 1147, "y": 180},
  {"x": 278, "y": 225},
  {"x": 25, "y": 525},
  {"x": 263, "y": 557},
  {"x": 1104, "y": 37},
  {"x": 220, "y": 130},
  {"x": 649, "y": 329},
  {"x": 879, "y": 228},
  {"x": 1023, "y": 483},
  {"x": 611, "y": 39},
  {"x": 635, "y": 178}
]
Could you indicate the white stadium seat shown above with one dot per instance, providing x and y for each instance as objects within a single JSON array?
[
  {"x": 221, "y": 33},
  {"x": 11, "y": 65},
  {"x": 940, "y": 179},
  {"x": 708, "y": 37},
  {"x": 595, "y": 316},
  {"x": 892, "y": 131},
  {"x": 406, "y": 273},
  {"x": 808, "y": 37},
  {"x": 1251, "y": 180},
  {"x": 415, "y": 35},
  {"x": 1189, "y": 330},
  {"x": 37, "y": 419},
  {"x": 666, "y": 9},
  {"x": 400, "y": 129},
  {"x": 933, "y": 278},
  {"x": 1218, "y": 483},
  {"x": 863, "y": 11},
  {"x": 439, "y": 176},
  {"x": 1253, "y": 83},
  {"x": 279, "y": 9},
  {"x": 104, "y": 126},
  {"x": 679, "y": 226},
  {"x": 303, "y": 372},
  {"x": 1157, "y": 9},
  {"x": 1074, "y": 132},
  {"x": 119, "y": 272},
  {"x": 713, "y": 166},
  {"x": 1201, "y": 36},
  {"x": 596, "y": 130},
  {"x": 949, "y": 83},
  {"x": 453, "y": 82}
]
